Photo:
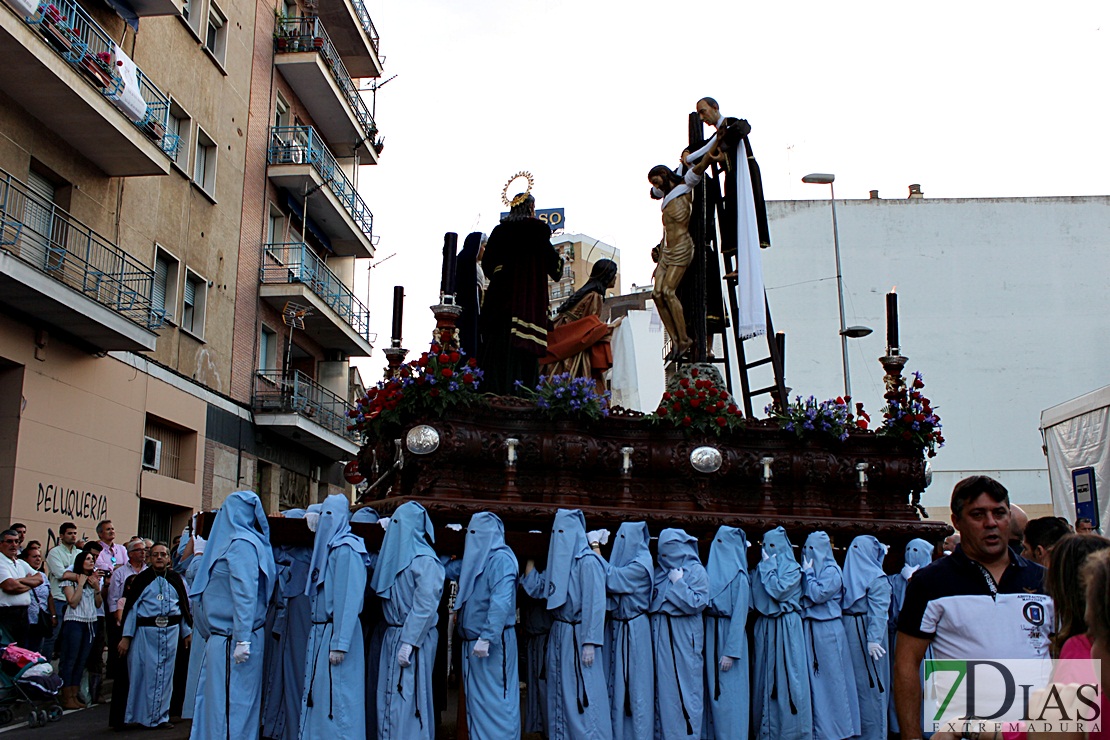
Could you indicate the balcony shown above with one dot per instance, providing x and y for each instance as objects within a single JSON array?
[
  {"x": 339, "y": 320},
  {"x": 300, "y": 163},
  {"x": 298, "y": 408},
  {"x": 355, "y": 37},
  {"x": 56, "y": 270},
  {"x": 310, "y": 63},
  {"x": 59, "y": 67}
]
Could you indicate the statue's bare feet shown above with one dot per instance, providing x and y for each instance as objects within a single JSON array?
[{"x": 684, "y": 348}]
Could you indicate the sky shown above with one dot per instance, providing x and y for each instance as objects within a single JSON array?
[{"x": 969, "y": 99}]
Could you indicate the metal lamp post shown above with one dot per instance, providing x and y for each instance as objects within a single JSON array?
[{"x": 822, "y": 178}]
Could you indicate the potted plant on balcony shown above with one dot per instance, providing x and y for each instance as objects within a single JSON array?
[
  {"x": 98, "y": 68},
  {"x": 55, "y": 28}
]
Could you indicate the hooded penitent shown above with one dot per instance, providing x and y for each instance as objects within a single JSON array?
[
  {"x": 726, "y": 642},
  {"x": 231, "y": 594},
  {"x": 919, "y": 553},
  {"x": 486, "y": 602},
  {"x": 680, "y": 595},
  {"x": 781, "y": 704},
  {"x": 574, "y": 586},
  {"x": 334, "y": 694},
  {"x": 835, "y": 707},
  {"x": 628, "y": 651},
  {"x": 866, "y": 603},
  {"x": 409, "y": 580}
]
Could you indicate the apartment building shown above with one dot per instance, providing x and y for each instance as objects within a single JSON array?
[
  {"x": 580, "y": 253},
  {"x": 179, "y": 231}
]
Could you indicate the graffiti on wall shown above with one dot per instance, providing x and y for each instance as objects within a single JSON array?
[{"x": 71, "y": 503}]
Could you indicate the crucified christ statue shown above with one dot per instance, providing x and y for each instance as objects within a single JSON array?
[{"x": 674, "y": 253}]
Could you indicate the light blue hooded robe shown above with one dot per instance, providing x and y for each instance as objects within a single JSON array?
[
  {"x": 919, "y": 553},
  {"x": 335, "y": 695},
  {"x": 866, "y": 603},
  {"x": 230, "y": 596},
  {"x": 486, "y": 604},
  {"x": 409, "y": 580},
  {"x": 835, "y": 706},
  {"x": 628, "y": 652},
  {"x": 373, "y": 629},
  {"x": 781, "y": 708},
  {"x": 574, "y": 585},
  {"x": 727, "y": 701},
  {"x": 284, "y": 682},
  {"x": 678, "y": 633}
]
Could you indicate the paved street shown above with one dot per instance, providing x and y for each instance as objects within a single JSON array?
[{"x": 83, "y": 724}]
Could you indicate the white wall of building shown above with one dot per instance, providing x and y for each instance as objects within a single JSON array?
[{"x": 1002, "y": 303}]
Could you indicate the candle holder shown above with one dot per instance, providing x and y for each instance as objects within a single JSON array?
[
  {"x": 447, "y": 316},
  {"x": 767, "y": 506},
  {"x": 861, "y": 484},
  {"x": 626, "y": 477},
  {"x": 509, "y": 492},
  {"x": 892, "y": 366},
  {"x": 395, "y": 356}
]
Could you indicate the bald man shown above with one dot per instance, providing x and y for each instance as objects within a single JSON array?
[{"x": 1018, "y": 520}]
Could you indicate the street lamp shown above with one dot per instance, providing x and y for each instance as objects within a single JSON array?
[{"x": 823, "y": 178}]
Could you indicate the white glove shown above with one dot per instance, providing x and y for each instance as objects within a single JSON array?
[
  {"x": 587, "y": 655},
  {"x": 909, "y": 570},
  {"x": 875, "y": 650},
  {"x": 312, "y": 518},
  {"x": 598, "y": 536},
  {"x": 335, "y": 657},
  {"x": 384, "y": 522},
  {"x": 242, "y": 652},
  {"x": 404, "y": 655},
  {"x": 675, "y": 575},
  {"x": 481, "y": 648},
  {"x": 455, "y": 527},
  {"x": 726, "y": 663},
  {"x": 766, "y": 555},
  {"x": 807, "y": 565}
]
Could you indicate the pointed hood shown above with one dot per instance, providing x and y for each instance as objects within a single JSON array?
[
  {"x": 728, "y": 558},
  {"x": 241, "y": 517},
  {"x": 777, "y": 544},
  {"x": 409, "y": 536},
  {"x": 919, "y": 553},
  {"x": 567, "y": 544},
  {"x": 366, "y": 515},
  {"x": 631, "y": 545},
  {"x": 485, "y": 537},
  {"x": 862, "y": 565},
  {"x": 332, "y": 531},
  {"x": 818, "y": 548},
  {"x": 675, "y": 549}
]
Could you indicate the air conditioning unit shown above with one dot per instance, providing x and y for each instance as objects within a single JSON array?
[{"x": 152, "y": 453}]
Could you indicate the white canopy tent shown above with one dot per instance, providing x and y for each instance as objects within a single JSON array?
[{"x": 1076, "y": 435}]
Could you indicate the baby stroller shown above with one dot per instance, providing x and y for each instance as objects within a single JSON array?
[{"x": 22, "y": 680}]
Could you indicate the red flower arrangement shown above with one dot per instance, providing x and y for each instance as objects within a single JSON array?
[
  {"x": 428, "y": 385},
  {"x": 699, "y": 405},
  {"x": 909, "y": 415}
]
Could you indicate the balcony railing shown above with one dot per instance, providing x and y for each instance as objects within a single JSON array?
[
  {"x": 302, "y": 145},
  {"x": 296, "y": 263},
  {"x": 308, "y": 35},
  {"x": 54, "y": 242},
  {"x": 367, "y": 24},
  {"x": 296, "y": 393},
  {"x": 78, "y": 39}
]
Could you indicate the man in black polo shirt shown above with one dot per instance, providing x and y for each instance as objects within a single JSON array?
[{"x": 983, "y": 602}]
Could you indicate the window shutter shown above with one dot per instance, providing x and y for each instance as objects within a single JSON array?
[
  {"x": 161, "y": 277},
  {"x": 190, "y": 292}
]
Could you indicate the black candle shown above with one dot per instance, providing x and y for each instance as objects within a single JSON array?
[
  {"x": 891, "y": 321},
  {"x": 450, "y": 247},
  {"x": 398, "y": 307}
]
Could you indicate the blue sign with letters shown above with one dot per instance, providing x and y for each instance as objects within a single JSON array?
[{"x": 553, "y": 217}]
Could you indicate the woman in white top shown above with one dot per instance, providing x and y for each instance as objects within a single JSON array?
[{"x": 79, "y": 628}]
